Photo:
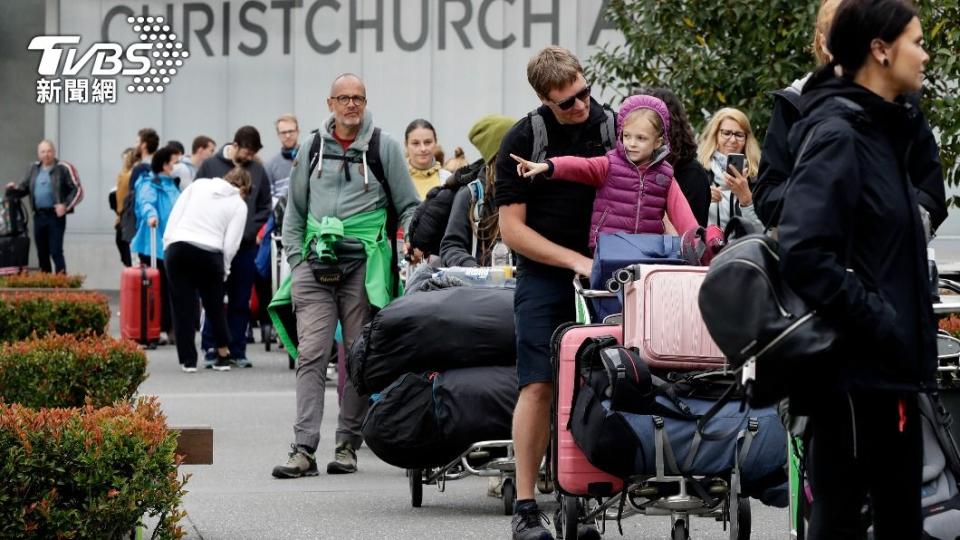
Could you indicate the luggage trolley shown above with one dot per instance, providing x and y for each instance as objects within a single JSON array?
[
  {"x": 678, "y": 496},
  {"x": 948, "y": 384}
]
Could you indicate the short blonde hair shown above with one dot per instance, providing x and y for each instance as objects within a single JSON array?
[
  {"x": 828, "y": 8},
  {"x": 287, "y": 117},
  {"x": 552, "y": 68},
  {"x": 708, "y": 140}
]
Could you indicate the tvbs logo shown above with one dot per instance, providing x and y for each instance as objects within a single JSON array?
[
  {"x": 150, "y": 63},
  {"x": 107, "y": 57}
]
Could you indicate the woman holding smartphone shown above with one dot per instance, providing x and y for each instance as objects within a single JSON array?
[{"x": 730, "y": 152}]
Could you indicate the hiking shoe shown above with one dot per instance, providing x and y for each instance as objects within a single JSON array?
[
  {"x": 300, "y": 463},
  {"x": 242, "y": 363},
  {"x": 223, "y": 363},
  {"x": 344, "y": 460},
  {"x": 528, "y": 525}
]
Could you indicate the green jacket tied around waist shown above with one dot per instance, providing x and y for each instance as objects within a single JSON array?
[{"x": 369, "y": 228}]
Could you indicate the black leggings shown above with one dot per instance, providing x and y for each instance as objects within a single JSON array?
[
  {"x": 193, "y": 270},
  {"x": 857, "y": 449}
]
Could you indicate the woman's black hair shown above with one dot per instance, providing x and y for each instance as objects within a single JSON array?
[
  {"x": 416, "y": 124},
  {"x": 858, "y": 22},
  {"x": 683, "y": 143},
  {"x": 160, "y": 158}
]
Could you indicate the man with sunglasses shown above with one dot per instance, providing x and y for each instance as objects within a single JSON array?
[
  {"x": 547, "y": 224},
  {"x": 345, "y": 178}
]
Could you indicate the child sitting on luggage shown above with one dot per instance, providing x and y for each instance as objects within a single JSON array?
[{"x": 636, "y": 190}]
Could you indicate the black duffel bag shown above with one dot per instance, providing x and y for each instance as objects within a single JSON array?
[
  {"x": 436, "y": 331},
  {"x": 427, "y": 420},
  {"x": 755, "y": 318}
]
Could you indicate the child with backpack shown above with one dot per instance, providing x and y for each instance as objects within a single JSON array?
[{"x": 636, "y": 192}]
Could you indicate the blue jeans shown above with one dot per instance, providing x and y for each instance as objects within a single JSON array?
[
  {"x": 541, "y": 304},
  {"x": 48, "y": 232},
  {"x": 242, "y": 272}
]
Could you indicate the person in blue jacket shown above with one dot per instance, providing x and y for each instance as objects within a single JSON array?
[{"x": 156, "y": 195}]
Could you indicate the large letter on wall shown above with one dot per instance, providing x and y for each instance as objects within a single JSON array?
[
  {"x": 312, "y": 39},
  {"x": 357, "y": 24},
  {"x": 424, "y": 23},
  {"x": 457, "y": 25},
  {"x": 203, "y": 31},
  {"x": 529, "y": 18},
  {"x": 485, "y": 33}
]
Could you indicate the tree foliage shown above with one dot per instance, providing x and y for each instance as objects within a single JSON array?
[{"x": 716, "y": 54}]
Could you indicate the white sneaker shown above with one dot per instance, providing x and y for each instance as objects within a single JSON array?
[{"x": 188, "y": 369}]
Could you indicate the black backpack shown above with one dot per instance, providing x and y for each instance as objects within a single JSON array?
[
  {"x": 376, "y": 167},
  {"x": 429, "y": 222}
]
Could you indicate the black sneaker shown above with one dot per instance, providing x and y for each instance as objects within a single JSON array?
[
  {"x": 588, "y": 532},
  {"x": 528, "y": 525},
  {"x": 223, "y": 363},
  {"x": 300, "y": 463}
]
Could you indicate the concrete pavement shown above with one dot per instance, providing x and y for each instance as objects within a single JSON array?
[{"x": 251, "y": 412}]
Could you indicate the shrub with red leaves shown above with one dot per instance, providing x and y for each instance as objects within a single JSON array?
[
  {"x": 25, "y": 313},
  {"x": 42, "y": 280}
]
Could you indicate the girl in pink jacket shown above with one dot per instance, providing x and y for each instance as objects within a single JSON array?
[{"x": 636, "y": 189}]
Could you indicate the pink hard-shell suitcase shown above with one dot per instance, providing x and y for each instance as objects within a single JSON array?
[
  {"x": 661, "y": 318},
  {"x": 573, "y": 474}
]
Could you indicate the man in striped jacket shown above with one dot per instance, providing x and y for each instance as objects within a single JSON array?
[{"x": 54, "y": 190}]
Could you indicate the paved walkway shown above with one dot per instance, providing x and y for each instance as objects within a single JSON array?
[{"x": 251, "y": 412}]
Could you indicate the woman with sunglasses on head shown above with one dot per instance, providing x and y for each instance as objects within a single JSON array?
[
  {"x": 728, "y": 132},
  {"x": 852, "y": 245}
]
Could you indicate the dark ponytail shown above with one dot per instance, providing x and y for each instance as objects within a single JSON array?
[{"x": 859, "y": 22}]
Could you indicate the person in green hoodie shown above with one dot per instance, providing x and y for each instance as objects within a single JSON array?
[{"x": 335, "y": 239}]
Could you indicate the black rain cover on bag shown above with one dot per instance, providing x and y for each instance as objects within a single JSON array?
[
  {"x": 428, "y": 420},
  {"x": 436, "y": 331},
  {"x": 476, "y": 404}
]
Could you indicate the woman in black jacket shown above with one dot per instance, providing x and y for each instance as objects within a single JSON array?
[
  {"x": 852, "y": 245},
  {"x": 776, "y": 161}
]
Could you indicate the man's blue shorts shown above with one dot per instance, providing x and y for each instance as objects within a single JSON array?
[{"x": 541, "y": 304}]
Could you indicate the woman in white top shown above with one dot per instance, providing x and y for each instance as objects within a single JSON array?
[{"x": 202, "y": 236}]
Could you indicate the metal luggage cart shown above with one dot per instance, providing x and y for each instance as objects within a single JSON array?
[
  {"x": 948, "y": 382},
  {"x": 680, "y": 497},
  {"x": 488, "y": 459}
]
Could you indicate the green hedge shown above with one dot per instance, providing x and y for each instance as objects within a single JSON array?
[
  {"x": 65, "y": 371},
  {"x": 87, "y": 473},
  {"x": 23, "y": 313},
  {"x": 42, "y": 280}
]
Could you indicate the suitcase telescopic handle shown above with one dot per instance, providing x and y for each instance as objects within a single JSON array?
[
  {"x": 590, "y": 293},
  {"x": 153, "y": 246}
]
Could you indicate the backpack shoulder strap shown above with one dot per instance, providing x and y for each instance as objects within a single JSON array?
[
  {"x": 608, "y": 129},
  {"x": 539, "y": 128}
]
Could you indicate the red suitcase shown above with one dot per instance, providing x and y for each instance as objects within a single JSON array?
[
  {"x": 140, "y": 301},
  {"x": 573, "y": 474},
  {"x": 661, "y": 318}
]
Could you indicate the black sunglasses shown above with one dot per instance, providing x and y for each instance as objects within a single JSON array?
[{"x": 582, "y": 95}]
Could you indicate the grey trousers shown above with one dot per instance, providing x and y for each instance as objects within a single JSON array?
[{"x": 318, "y": 308}]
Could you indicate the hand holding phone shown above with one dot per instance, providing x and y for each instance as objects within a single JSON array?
[{"x": 737, "y": 161}]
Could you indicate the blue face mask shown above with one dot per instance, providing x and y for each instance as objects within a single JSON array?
[{"x": 289, "y": 153}]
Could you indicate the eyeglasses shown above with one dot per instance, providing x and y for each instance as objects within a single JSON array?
[
  {"x": 345, "y": 100},
  {"x": 287, "y": 132},
  {"x": 738, "y": 135},
  {"x": 566, "y": 104}
]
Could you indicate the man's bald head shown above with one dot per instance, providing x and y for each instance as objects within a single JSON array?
[
  {"x": 46, "y": 152},
  {"x": 351, "y": 78}
]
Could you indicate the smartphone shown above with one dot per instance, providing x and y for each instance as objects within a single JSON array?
[{"x": 736, "y": 160}]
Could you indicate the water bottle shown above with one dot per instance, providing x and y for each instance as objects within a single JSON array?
[
  {"x": 500, "y": 276},
  {"x": 500, "y": 255}
]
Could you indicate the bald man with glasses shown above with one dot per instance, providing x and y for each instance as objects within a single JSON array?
[{"x": 348, "y": 173}]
